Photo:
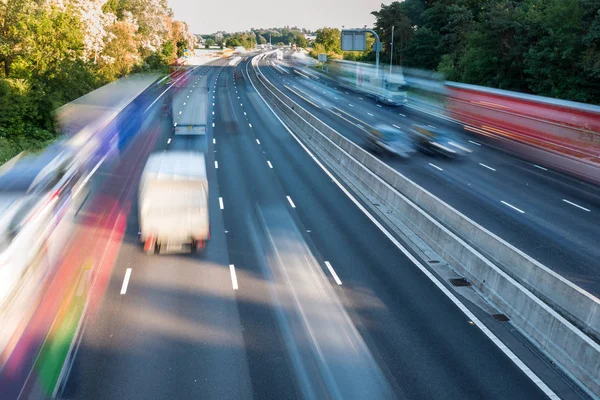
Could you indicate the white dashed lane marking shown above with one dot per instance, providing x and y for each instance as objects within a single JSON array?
[
  {"x": 513, "y": 207},
  {"x": 291, "y": 202},
  {"x": 576, "y": 205},
  {"x": 126, "y": 281}
]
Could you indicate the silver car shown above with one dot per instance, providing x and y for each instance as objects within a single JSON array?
[{"x": 390, "y": 140}]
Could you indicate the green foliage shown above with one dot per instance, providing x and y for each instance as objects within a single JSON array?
[
  {"x": 300, "y": 40},
  {"x": 546, "y": 47},
  {"x": 330, "y": 39},
  {"x": 283, "y": 35},
  {"x": 234, "y": 42},
  {"x": 43, "y": 64},
  {"x": 247, "y": 41},
  {"x": 423, "y": 49}
]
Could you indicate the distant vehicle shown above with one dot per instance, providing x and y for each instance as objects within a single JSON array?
[
  {"x": 558, "y": 133},
  {"x": 436, "y": 141},
  {"x": 173, "y": 203},
  {"x": 190, "y": 114},
  {"x": 383, "y": 138},
  {"x": 392, "y": 94},
  {"x": 391, "y": 98}
]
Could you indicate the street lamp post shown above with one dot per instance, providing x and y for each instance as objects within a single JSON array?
[{"x": 391, "y": 55}]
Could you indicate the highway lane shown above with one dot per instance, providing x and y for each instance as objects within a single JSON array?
[
  {"x": 244, "y": 184},
  {"x": 426, "y": 347},
  {"x": 168, "y": 326},
  {"x": 551, "y": 217}
]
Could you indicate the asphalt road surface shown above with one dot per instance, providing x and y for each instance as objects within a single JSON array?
[
  {"x": 552, "y": 217},
  {"x": 241, "y": 319}
]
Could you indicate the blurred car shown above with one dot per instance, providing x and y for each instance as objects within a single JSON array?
[
  {"x": 389, "y": 97},
  {"x": 383, "y": 138},
  {"x": 35, "y": 196},
  {"x": 437, "y": 141}
]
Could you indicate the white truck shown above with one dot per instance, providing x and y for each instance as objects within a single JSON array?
[
  {"x": 173, "y": 202},
  {"x": 190, "y": 109}
]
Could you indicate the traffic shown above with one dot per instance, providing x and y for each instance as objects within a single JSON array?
[{"x": 190, "y": 219}]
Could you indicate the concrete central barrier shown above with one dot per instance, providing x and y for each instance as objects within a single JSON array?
[{"x": 560, "y": 318}]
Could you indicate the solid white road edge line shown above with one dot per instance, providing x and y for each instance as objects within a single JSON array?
[
  {"x": 508, "y": 352},
  {"x": 126, "y": 281},
  {"x": 335, "y": 276}
]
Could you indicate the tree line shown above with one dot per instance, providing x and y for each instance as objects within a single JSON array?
[
  {"x": 249, "y": 39},
  {"x": 54, "y": 51},
  {"x": 545, "y": 47}
]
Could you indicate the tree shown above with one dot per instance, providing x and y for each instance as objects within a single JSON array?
[
  {"x": 56, "y": 36},
  {"x": 547, "y": 47},
  {"x": 261, "y": 39},
  {"x": 209, "y": 43},
  {"x": 234, "y": 41},
  {"x": 551, "y": 64},
  {"x": 403, "y": 17},
  {"x": 121, "y": 51},
  {"x": 53, "y": 51},
  {"x": 15, "y": 15},
  {"x": 330, "y": 39},
  {"x": 422, "y": 51},
  {"x": 94, "y": 22},
  {"x": 301, "y": 41}
]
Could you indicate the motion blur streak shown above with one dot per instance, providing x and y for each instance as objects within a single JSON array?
[
  {"x": 329, "y": 356},
  {"x": 80, "y": 282}
]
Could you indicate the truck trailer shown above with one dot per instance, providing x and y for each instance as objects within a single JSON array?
[
  {"x": 173, "y": 203},
  {"x": 189, "y": 107}
]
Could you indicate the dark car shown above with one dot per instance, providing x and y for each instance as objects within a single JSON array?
[{"x": 437, "y": 141}]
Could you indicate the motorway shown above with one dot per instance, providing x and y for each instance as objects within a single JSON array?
[
  {"x": 552, "y": 217},
  {"x": 222, "y": 324}
]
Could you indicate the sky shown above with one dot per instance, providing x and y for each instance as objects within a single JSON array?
[{"x": 206, "y": 16}]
